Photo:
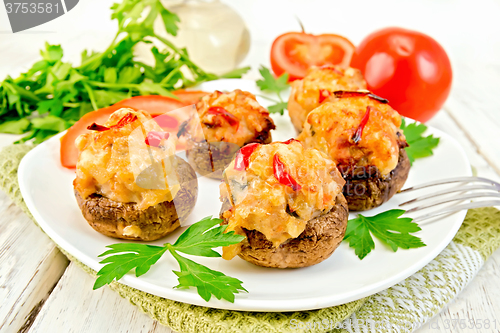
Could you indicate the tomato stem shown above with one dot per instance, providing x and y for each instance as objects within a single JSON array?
[{"x": 301, "y": 25}]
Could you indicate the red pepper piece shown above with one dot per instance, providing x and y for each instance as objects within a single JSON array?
[
  {"x": 242, "y": 159},
  {"x": 129, "y": 118},
  {"x": 96, "y": 127},
  {"x": 287, "y": 142},
  {"x": 154, "y": 138},
  {"x": 229, "y": 117},
  {"x": 282, "y": 176},
  {"x": 323, "y": 94},
  {"x": 359, "y": 131},
  {"x": 342, "y": 93}
]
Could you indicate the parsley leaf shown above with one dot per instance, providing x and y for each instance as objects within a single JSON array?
[
  {"x": 388, "y": 227},
  {"x": 50, "y": 123},
  {"x": 52, "y": 53},
  {"x": 274, "y": 85},
  {"x": 138, "y": 256},
  {"x": 170, "y": 21},
  {"x": 270, "y": 83},
  {"x": 15, "y": 126},
  {"x": 236, "y": 73},
  {"x": 278, "y": 108},
  {"x": 419, "y": 145},
  {"x": 199, "y": 240},
  {"x": 207, "y": 282}
]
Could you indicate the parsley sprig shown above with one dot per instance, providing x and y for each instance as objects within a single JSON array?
[
  {"x": 198, "y": 240},
  {"x": 419, "y": 145},
  {"x": 269, "y": 83},
  {"x": 52, "y": 95},
  {"x": 388, "y": 227}
]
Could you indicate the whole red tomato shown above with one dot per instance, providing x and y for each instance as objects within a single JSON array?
[{"x": 408, "y": 68}]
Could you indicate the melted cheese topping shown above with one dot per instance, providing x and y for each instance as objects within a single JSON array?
[
  {"x": 112, "y": 162},
  {"x": 305, "y": 94},
  {"x": 330, "y": 128},
  {"x": 252, "y": 117},
  {"x": 260, "y": 202}
]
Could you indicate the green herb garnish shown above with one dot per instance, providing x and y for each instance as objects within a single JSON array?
[
  {"x": 388, "y": 227},
  {"x": 197, "y": 240},
  {"x": 419, "y": 145},
  {"x": 274, "y": 85},
  {"x": 53, "y": 94}
]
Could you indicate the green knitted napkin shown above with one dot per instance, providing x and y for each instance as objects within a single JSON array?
[{"x": 401, "y": 308}]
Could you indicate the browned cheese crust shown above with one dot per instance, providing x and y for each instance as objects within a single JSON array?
[
  {"x": 305, "y": 93},
  {"x": 366, "y": 189},
  {"x": 316, "y": 243},
  {"x": 221, "y": 138},
  {"x": 110, "y": 217},
  {"x": 211, "y": 158}
]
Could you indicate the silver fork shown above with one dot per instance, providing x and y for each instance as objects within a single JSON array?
[{"x": 471, "y": 188}]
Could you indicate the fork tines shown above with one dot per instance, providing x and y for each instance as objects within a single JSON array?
[{"x": 466, "y": 188}]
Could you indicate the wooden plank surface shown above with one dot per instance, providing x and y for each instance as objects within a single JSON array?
[
  {"x": 30, "y": 266},
  {"x": 475, "y": 106},
  {"x": 74, "y": 307},
  {"x": 481, "y": 298}
]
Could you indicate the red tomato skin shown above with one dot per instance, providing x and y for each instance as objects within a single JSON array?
[
  {"x": 408, "y": 68},
  {"x": 154, "y": 104},
  {"x": 190, "y": 96}
]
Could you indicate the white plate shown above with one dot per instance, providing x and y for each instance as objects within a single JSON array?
[{"x": 47, "y": 189}]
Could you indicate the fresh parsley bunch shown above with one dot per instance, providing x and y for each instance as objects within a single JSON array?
[
  {"x": 198, "y": 240},
  {"x": 53, "y": 94}
]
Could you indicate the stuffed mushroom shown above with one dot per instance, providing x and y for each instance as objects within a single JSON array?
[
  {"x": 129, "y": 183},
  {"x": 287, "y": 201},
  {"x": 317, "y": 87},
  {"x": 360, "y": 132},
  {"x": 228, "y": 121}
]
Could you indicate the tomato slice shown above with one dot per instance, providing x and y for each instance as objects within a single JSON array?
[
  {"x": 69, "y": 153},
  {"x": 190, "y": 96},
  {"x": 295, "y": 52},
  {"x": 154, "y": 104}
]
